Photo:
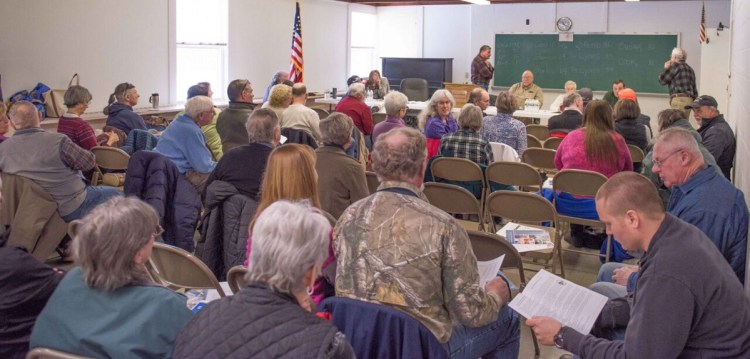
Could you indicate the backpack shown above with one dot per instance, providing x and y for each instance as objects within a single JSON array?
[{"x": 35, "y": 96}]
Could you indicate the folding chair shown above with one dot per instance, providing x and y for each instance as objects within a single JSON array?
[
  {"x": 578, "y": 183},
  {"x": 541, "y": 132},
  {"x": 47, "y": 353},
  {"x": 108, "y": 159},
  {"x": 528, "y": 208},
  {"x": 636, "y": 153},
  {"x": 458, "y": 170},
  {"x": 321, "y": 112},
  {"x": 519, "y": 174},
  {"x": 540, "y": 158},
  {"x": 372, "y": 181},
  {"x": 177, "y": 269},
  {"x": 236, "y": 278},
  {"x": 488, "y": 246},
  {"x": 532, "y": 141},
  {"x": 454, "y": 200},
  {"x": 378, "y": 117},
  {"x": 552, "y": 143}
]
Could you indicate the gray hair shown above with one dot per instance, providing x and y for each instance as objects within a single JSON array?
[
  {"x": 476, "y": 95},
  {"x": 570, "y": 83},
  {"x": 679, "y": 138},
  {"x": 356, "y": 89},
  {"x": 198, "y": 104},
  {"x": 122, "y": 91},
  {"x": 571, "y": 99},
  {"x": 399, "y": 154},
  {"x": 261, "y": 125},
  {"x": 76, "y": 94},
  {"x": 431, "y": 108},
  {"x": 470, "y": 117},
  {"x": 24, "y": 115},
  {"x": 394, "y": 102},
  {"x": 107, "y": 240},
  {"x": 289, "y": 238},
  {"x": 336, "y": 129},
  {"x": 679, "y": 53}
]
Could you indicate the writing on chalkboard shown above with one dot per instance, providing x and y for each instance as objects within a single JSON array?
[{"x": 590, "y": 60}]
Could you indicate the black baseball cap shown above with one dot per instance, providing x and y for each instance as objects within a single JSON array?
[
  {"x": 353, "y": 79},
  {"x": 704, "y": 100}
]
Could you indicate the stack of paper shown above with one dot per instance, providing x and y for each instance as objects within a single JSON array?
[{"x": 526, "y": 238}]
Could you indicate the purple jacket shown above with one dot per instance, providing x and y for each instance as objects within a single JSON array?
[
  {"x": 385, "y": 126},
  {"x": 436, "y": 128}
]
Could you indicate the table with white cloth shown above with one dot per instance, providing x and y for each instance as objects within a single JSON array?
[{"x": 542, "y": 115}]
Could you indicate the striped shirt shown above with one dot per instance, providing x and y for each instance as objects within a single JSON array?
[{"x": 78, "y": 130}]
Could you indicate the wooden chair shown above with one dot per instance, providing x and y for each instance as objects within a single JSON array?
[
  {"x": 636, "y": 153},
  {"x": 488, "y": 246},
  {"x": 177, "y": 269},
  {"x": 108, "y": 159},
  {"x": 372, "y": 181},
  {"x": 540, "y": 158},
  {"x": 519, "y": 174},
  {"x": 532, "y": 141},
  {"x": 47, "y": 353},
  {"x": 541, "y": 132},
  {"x": 552, "y": 143},
  {"x": 454, "y": 200},
  {"x": 321, "y": 112},
  {"x": 579, "y": 183},
  {"x": 528, "y": 208},
  {"x": 378, "y": 117},
  {"x": 236, "y": 278}
]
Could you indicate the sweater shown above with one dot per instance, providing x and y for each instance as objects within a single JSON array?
[
  {"x": 122, "y": 116},
  {"x": 687, "y": 304},
  {"x": 341, "y": 180},
  {"x": 301, "y": 117},
  {"x": 79, "y": 131},
  {"x": 565, "y": 122},
  {"x": 231, "y": 125},
  {"x": 243, "y": 168},
  {"x": 359, "y": 112},
  {"x": 183, "y": 143},
  {"x": 388, "y": 124},
  {"x": 571, "y": 154}
]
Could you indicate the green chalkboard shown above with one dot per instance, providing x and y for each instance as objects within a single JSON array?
[{"x": 592, "y": 61}]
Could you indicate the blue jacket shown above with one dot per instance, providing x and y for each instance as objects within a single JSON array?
[
  {"x": 714, "y": 205},
  {"x": 122, "y": 116},
  {"x": 154, "y": 179},
  {"x": 184, "y": 144}
]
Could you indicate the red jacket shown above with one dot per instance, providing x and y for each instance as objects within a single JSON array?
[{"x": 358, "y": 111}]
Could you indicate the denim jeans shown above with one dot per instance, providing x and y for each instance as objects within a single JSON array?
[
  {"x": 500, "y": 339},
  {"x": 94, "y": 197}
]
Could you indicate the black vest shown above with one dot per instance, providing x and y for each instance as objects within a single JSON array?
[{"x": 255, "y": 323}]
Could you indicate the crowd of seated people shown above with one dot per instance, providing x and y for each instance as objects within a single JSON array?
[{"x": 318, "y": 232}]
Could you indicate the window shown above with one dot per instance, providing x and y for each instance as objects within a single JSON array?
[
  {"x": 202, "y": 32},
  {"x": 362, "y": 53}
]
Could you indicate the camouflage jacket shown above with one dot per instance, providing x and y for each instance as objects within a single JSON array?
[{"x": 398, "y": 250}]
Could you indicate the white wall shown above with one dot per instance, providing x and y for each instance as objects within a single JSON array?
[
  {"x": 449, "y": 39},
  {"x": 739, "y": 94},
  {"x": 260, "y": 37},
  {"x": 400, "y": 30},
  {"x": 106, "y": 42}
]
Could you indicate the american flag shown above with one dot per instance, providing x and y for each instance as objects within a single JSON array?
[
  {"x": 702, "y": 36},
  {"x": 296, "y": 68}
]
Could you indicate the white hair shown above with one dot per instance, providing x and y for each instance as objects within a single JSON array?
[
  {"x": 289, "y": 238},
  {"x": 198, "y": 104},
  {"x": 679, "y": 53},
  {"x": 570, "y": 83},
  {"x": 394, "y": 102},
  {"x": 356, "y": 89}
]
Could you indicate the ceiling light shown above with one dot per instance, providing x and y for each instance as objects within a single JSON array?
[{"x": 478, "y": 2}]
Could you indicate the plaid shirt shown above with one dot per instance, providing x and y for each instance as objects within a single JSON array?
[
  {"x": 76, "y": 157},
  {"x": 681, "y": 79},
  {"x": 466, "y": 143},
  {"x": 480, "y": 72}
]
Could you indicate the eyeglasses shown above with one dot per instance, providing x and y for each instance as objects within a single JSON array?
[
  {"x": 158, "y": 231},
  {"x": 660, "y": 162}
]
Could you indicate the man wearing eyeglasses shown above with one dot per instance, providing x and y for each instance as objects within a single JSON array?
[
  {"x": 231, "y": 122},
  {"x": 184, "y": 144},
  {"x": 700, "y": 196}
]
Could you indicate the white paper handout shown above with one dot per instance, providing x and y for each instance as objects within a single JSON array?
[
  {"x": 489, "y": 269},
  {"x": 569, "y": 303},
  {"x": 543, "y": 239}
]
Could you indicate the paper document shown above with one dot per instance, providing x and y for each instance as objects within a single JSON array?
[
  {"x": 526, "y": 238},
  {"x": 489, "y": 269},
  {"x": 569, "y": 303}
]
